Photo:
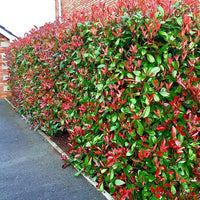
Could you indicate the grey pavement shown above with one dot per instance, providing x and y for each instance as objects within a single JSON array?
[{"x": 30, "y": 169}]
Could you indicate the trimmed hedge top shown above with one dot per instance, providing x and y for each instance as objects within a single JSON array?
[{"x": 124, "y": 83}]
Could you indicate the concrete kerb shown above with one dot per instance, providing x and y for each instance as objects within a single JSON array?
[{"x": 62, "y": 153}]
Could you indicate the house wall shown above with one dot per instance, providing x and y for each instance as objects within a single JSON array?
[
  {"x": 69, "y": 6},
  {"x": 4, "y": 42}
]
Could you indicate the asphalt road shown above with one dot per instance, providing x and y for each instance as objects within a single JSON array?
[{"x": 30, "y": 169}]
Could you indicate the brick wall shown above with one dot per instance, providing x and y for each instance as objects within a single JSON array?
[
  {"x": 57, "y": 9},
  {"x": 4, "y": 42},
  {"x": 69, "y": 6}
]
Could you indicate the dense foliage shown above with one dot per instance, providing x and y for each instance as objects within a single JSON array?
[{"x": 124, "y": 83}]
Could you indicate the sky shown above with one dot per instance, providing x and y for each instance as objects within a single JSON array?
[{"x": 20, "y": 16}]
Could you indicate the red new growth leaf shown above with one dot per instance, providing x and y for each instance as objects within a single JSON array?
[
  {"x": 163, "y": 148},
  {"x": 97, "y": 152},
  {"x": 110, "y": 163},
  {"x": 160, "y": 128},
  {"x": 170, "y": 172},
  {"x": 65, "y": 159},
  {"x": 156, "y": 162},
  {"x": 65, "y": 165},
  {"x": 177, "y": 142},
  {"x": 104, "y": 70},
  {"x": 173, "y": 132},
  {"x": 156, "y": 83},
  {"x": 168, "y": 185},
  {"x": 182, "y": 180},
  {"x": 157, "y": 172},
  {"x": 158, "y": 195},
  {"x": 152, "y": 189},
  {"x": 140, "y": 154},
  {"x": 147, "y": 154},
  {"x": 66, "y": 106}
]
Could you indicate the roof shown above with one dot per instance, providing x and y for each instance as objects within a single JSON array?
[{"x": 7, "y": 33}]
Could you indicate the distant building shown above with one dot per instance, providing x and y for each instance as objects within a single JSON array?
[
  {"x": 5, "y": 38},
  {"x": 67, "y": 7}
]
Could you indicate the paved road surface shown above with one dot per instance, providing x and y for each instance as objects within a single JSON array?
[{"x": 29, "y": 167}]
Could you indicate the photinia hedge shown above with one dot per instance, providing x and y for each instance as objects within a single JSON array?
[{"x": 123, "y": 82}]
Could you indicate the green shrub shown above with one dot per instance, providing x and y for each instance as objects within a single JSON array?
[{"x": 124, "y": 82}]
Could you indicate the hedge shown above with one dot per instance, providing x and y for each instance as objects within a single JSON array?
[{"x": 123, "y": 82}]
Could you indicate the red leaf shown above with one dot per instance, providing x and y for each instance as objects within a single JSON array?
[
  {"x": 64, "y": 157},
  {"x": 66, "y": 106},
  {"x": 104, "y": 70},
  {"x": 163, "y": 148},
  {"x": 97, "y": 152},
  {"x": 157, "y": 112},
  {"x": 65, "y": 165},
  {"x": 158, "y": 195},
  {"x": 183, "y": 134},
  {"x": 135, "y": 117},
  {"x": 177, "y": 142},
  {"x": 71, "y": 151},
  {"x": 160, "y": 128},
  {"x": 152, "y": 189},
  {"x": 173, "y": 132},
  {"x": 156, "y": 83},
  {"x": 115, "y": 34},
  {"x": 177, "y": 176},
  {"x": 77, "y": 156},
  {"x": 140, "y": 154},
  {"x": 109, "y": 164},
  {"x": 182, "y": 180},
  {"x": 170, "y": 172},
  {"x": 160, "y": 154},
  {"x": 156, "y": 162},
  {"x": 147, "y": 154},
  {"x": 157, "y": 172},
  {"x": 106, "y": 138},
  {"x": 168, "y": 185},
  {"x": 180, "y": 82}
]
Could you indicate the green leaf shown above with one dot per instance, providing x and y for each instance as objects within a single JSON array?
[
  {"x": 129, "y": 153},
  {"x": 137, "y": 73},
  {"x": 146, "y": 111},
  {"x": 156, "y": 97},
  {"x": 159, "y": 60},
  {"x": 154, "y": 71},
  {"x": 101, "y": 188},
  {"x": 99, "y": 86},
  {"x": 133, "y": 101},
  {"x": 150, "y": 58},
  {"x": 164, "y": 94},
  {"x": 78, "y": 61},
  {"x": 163, "y": 34},
  {"x": 78, "y": 173},
  {"x": 179, "y": 21},
  {"x": 130, "y": 75},
  {"x": 174, "y": 73},
  {"x": 85, "y": 55},
  {"x": 101, "y": 66},
  {"x": 173, "y": 189},
  {"x": 112, "y": 174},
  {"x": 162, "y": 11},
  {"x": 140, "y": 129},
  {"x": 103, "y": 171},
  {"x": 114, "y": 117},
  {"x": 119, "y": 182},
  {"x": 113, "y": 128},
  {"x": 133, "y": 146},
  {"x": 143, "y": 52}
]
